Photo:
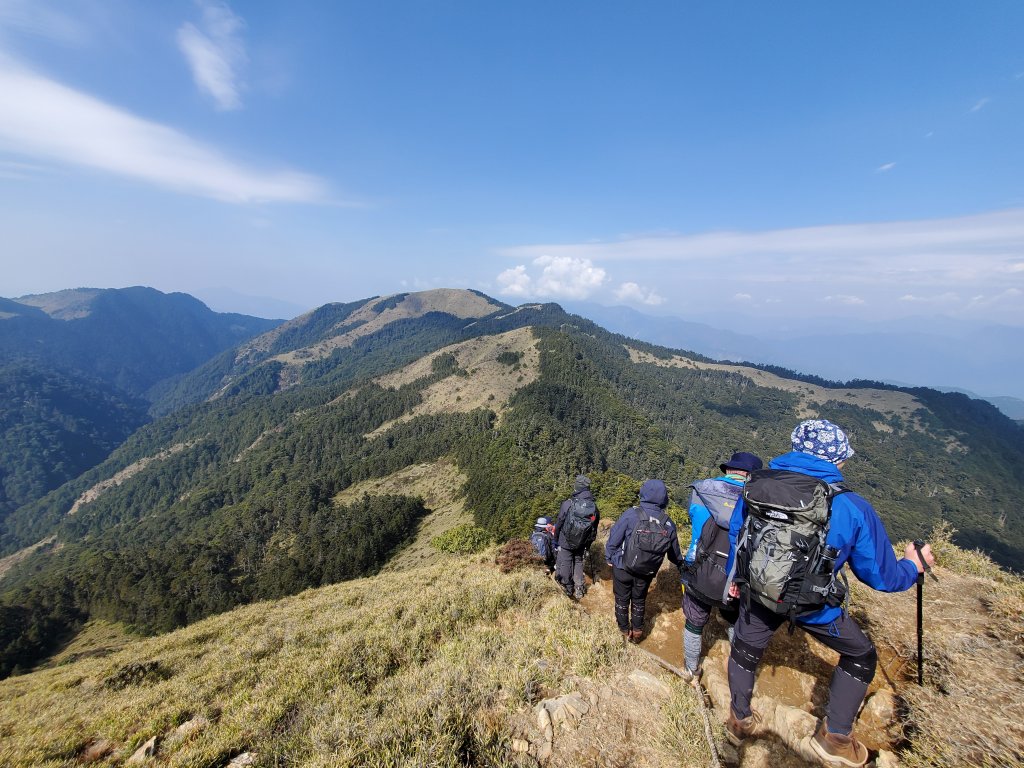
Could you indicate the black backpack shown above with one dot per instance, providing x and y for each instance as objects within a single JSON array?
[
  {"x": 646, "y": 546},
  {"x": 782, "y": 561},
  {"x": 580, "y": 527},
  {"x": 706, "y": 575}
]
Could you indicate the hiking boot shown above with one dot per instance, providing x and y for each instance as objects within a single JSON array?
[
  {"x": 690, "y": 676},
  {"x": 836, "y": 749},
  {"x": 737, "y": 731},
  {"x": 635, "y": 635},
  {"x": 579, "y": 593}
]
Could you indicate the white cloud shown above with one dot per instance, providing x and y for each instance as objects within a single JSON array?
[
  {"x": 942, "y": 298},
  {"x": 742, "y": 297},
  {"x": 515, "y": 282},
  {"x": 633, "y": 293},
  {"x": 216, "y": 53},
  {"x": 844, "y": 299},
  {"x": 560, "y": 277},
  {"x": 980, "y": 104},
  {"x": 885, "y": 167},
  {"x": 44, "y": 120}
]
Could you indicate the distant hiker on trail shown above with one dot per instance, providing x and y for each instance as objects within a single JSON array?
[
  {"x": 543, "y": 540},
  {"x": 714, "y": 505},
  {"x": 575, "y": 530},
  {"x": 787, "y": 511},
  {"x": 636, "y": 547}
]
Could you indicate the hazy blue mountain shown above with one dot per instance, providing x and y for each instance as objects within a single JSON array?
[
  {"x": 934, "y": 352},
  {"x": 78, "y": 366}
]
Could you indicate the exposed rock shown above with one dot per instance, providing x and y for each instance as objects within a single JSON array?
[
  {"x": 520, "y": 745},
  {"x": 187, "y": 729},
  {"x": 143, "y": 753},
  {"x": 873, "y": 725},
  {"x": 97, "y": 750},
  {"x": 246, "y": 758},
  {"x": 886, "y": 759},
  {"x": 648, "y": 682}
]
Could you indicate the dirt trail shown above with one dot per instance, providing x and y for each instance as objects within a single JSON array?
[{"x": 795, "y": 671}]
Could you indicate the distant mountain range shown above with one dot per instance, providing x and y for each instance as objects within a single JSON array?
[
  {"x": 80, "y": 369},
  {"x": 936, "y": 352},
  {"x": 238, "y": 493}
]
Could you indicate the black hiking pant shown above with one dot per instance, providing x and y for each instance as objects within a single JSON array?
[
  {"x": 630, "y": 598},
  {"x": 569, "y": 570},
  {"x": 850, "y": 680}
]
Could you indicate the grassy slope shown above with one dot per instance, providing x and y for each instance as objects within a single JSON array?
[{"x": 430, "y": 667}]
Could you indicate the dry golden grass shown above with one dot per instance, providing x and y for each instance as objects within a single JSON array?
[
  {"x": 438, "y": 484},
  {"x": 452, "y": 301},
  {"x": 489, "y": 384},
  {"x": 883, "y": 401},
  {"x": 432, "y": 666}
]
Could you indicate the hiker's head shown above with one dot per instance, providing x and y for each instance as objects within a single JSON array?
[
  {"x": 582, "y": 483},
  {"x": 654, "y": 492},
  {"x": 742, "y": 462},
  {"x": 542, "y": 522},
  {"x": 822, "y": 438}
]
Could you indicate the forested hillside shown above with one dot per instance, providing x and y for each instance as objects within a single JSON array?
[
  {"x": 79, "y": 369},
  {"x": 231, "y": 499}
]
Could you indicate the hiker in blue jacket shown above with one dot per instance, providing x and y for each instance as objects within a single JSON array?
[
  {"x": 715, "y": 507},
  {"x": 820, "y": 449},
  {"x": 636, "y": 547}
]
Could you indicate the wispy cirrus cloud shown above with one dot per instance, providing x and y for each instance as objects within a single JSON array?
[
  {"x": 980, "y": 104},
  {"x": 216, "y": 53},
  {"x": 885, "y": 167},
  {"x": 34, "y": 18},
  {"x": 41, "y": 119}
]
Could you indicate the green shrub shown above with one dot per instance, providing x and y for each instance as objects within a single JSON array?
[{"x": 465, "y": 539}]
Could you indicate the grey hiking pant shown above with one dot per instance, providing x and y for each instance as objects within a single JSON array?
[
  {"x": 569, "y": 570},
  {"x": 697, "y": 611},
  {"x": 850, "y": 680}
]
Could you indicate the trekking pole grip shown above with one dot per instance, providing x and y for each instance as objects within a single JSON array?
[{"x": 919, "y": 546}]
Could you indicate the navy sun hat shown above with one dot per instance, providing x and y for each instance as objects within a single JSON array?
[
  {"x": 582, "y": 483},
  {"x": 748, "y": 462}
]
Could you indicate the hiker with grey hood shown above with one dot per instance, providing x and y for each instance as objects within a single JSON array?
[
  {"x": 636, "y": 548},
  {"x": 715, "y": 504},
  {"x": 574, "y": 532},
  {"x": 801, "y": 527}
]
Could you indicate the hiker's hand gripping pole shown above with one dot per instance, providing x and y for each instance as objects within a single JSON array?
[{"x": 924, "y": 561}]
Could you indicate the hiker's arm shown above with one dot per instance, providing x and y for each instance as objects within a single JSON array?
[
  {"x": 675, "y": 554},
  {"x": 559, "y": 520},
  {"x": 615, "y": 537},
  {"x": 871, "y": 557}
]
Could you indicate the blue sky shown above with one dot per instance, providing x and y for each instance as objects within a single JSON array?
[{"x": 821, "y": 160}]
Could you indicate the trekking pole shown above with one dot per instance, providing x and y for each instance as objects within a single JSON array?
[{"x": 918, "y": 545}]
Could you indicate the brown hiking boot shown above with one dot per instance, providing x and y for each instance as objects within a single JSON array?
[
  {"x": 635, "y": 635},
  {"x": 834, "y": 749},
  {"x": 737, "y": 730}
]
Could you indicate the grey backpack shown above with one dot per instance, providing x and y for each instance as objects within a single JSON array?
[{"x": 782, "y": 561}]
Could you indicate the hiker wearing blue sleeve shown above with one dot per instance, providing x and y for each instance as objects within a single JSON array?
[
  {"x": 855, "y": 536},
  {"x": 714, "y": 504}
]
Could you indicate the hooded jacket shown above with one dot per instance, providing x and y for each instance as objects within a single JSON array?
[
  {"x": 563, "y": 515},
  {"x": 855, "y": 529},
  {"x": 653, "y": 499}
]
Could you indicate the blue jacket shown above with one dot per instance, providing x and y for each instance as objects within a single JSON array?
[
  {"x": 653, "y": 499},
  {"x": 699, "y": 515},
  {"x": 855, "y": 530}
]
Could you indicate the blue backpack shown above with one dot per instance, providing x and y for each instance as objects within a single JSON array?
[{"x": 541, "y": 541}]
